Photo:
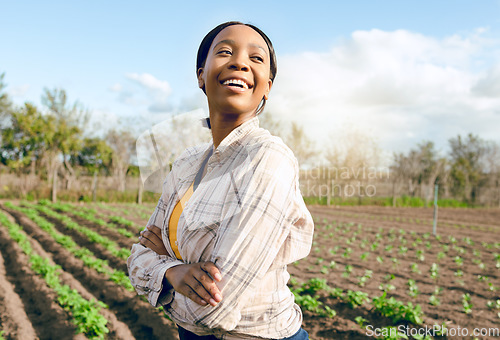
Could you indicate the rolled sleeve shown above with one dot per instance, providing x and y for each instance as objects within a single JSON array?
[{"x": 146, "y": 272}]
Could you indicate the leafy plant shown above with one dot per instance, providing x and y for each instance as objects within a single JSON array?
[
  {"x": 347, "y": 271},
  {"x": 466, "y": 303},
  {"x": 434, "y": 270},
  {"x": 412, "y": 286},
  {"x": 360, "y": 321},
  {"x": 356, "y": 298},
  {"x": 415, "y": 269}
]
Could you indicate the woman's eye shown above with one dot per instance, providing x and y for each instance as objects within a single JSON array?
[
  {"x": 258, "y": 58},
  {"x": 224, "y": 52}
]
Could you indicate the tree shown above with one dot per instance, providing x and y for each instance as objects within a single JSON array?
[
  {"x": 300, "y": 144},
  {"x": 70, "y": 121},
  {"x": 26, "y": 138},
  {"x": 273, "y": 125},
  {"x": 5, "y": 103},
  {"x": 467, "y": 156},
  {"x": 94, "y": 156},
  {"x": 420, "y": 168},
  {"x": 353, "y": 156},
  {"x": 122, "y": 142},
  {"x": 492, "y": 169}
]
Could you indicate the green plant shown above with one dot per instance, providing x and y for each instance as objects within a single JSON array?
[
  {"x": 459, "y": 261},
  {"x": 365, "y": 278},
  {"x": 347, "y": 253},
  {"x": 434, "y": 300},
  {"x": 396, "y": 310},
  {"x": 306, "y": 297},
  {"x": 493, "y": 305},
  {"x": 413, "y": 289},
  {"x": 420, "y": 255},
  {"x": 434, "y": 271},
  {"x": 364, "y": 256},
  {"x": 385, "y": 287},
  {"x": 466, "y": 303},
  {"x": 415, "y": 269},
  {"x": 360, "y": 321},
  {"x": 347, "y": 271},
  {"x": 356, "y": 298}
]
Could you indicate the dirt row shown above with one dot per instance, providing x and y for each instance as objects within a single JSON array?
[{"x": 128, "y": 315}]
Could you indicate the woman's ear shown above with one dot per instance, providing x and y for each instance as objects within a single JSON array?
[
  {"x": 201, "y": 82},
  {"x": 269, "y": 85}
]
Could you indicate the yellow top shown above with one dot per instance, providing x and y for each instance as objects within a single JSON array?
[{"x": 174, "y": 220}]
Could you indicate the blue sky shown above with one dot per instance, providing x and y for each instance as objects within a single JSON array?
[{"x": 132, "y": 63}]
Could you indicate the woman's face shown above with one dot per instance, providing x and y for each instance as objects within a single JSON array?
[{"x": 237, "y": 71}]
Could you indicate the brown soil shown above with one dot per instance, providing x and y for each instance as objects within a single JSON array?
[{"x": 14, "y": 321}]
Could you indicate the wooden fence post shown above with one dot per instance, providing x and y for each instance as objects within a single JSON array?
[
  {"x": 139, "y": 191},
  {"x": 54, "y": 185},
  {"x": 94, "y": 187},
  {"x": 434, "y": 227}
]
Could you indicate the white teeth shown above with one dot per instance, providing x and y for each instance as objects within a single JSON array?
[{"x": 236, "y": 82}]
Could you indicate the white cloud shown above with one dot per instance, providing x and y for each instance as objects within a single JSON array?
[
  {"x": 151, "y": 93},
  {"x": 117, "y": 87},
  {"x": 399, "y": 86},
  {"x": 19, "y": 91},
  {"x": 149, "y": 82}
]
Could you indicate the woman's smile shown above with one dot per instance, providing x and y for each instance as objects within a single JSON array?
[{"x": 237, "y": 85}]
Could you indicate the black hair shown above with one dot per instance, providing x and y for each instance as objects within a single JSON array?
[{"x": 209, "y": 38}]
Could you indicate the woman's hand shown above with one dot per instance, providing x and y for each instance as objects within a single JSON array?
[
  {"x": 194, "y": 282},
  {"x": 151, "y": 238}
]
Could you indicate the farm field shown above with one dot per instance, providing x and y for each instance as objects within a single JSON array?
[{"x": 63, "y": 272}]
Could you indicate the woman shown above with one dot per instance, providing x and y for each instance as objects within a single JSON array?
[{"x": 231, "y": 215}]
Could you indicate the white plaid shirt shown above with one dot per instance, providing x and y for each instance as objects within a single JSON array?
[{"x": 249, "y": 218}]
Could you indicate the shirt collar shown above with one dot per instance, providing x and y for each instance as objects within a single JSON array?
[{"x": 233, "y": 138}]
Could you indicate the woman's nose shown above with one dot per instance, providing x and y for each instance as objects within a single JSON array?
[{"x": 238, "y": 63}]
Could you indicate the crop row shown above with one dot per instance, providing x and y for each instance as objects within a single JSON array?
[
  {"x": 86, "y": 314},
  {"x": 84, "y": 254},
  {"x": 110, "y": 245}
]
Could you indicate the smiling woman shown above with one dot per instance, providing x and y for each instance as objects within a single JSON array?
[{"x": 231, "y": 215}]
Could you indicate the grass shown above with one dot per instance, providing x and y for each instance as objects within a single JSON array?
[{"x": 403, "y": 201}]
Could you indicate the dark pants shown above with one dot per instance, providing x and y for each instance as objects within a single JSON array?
[{"x": 187, "y": 335}]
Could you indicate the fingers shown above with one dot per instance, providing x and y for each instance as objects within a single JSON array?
[
  {"x": 153, "y": 237},
  {"x": 151, "y": 240},
  {"x": 206, "y": 284},
  {"x": 211, "y": 269},
  {"x": 201, "y": 293},
  {"x": 155, "y": 230}
]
